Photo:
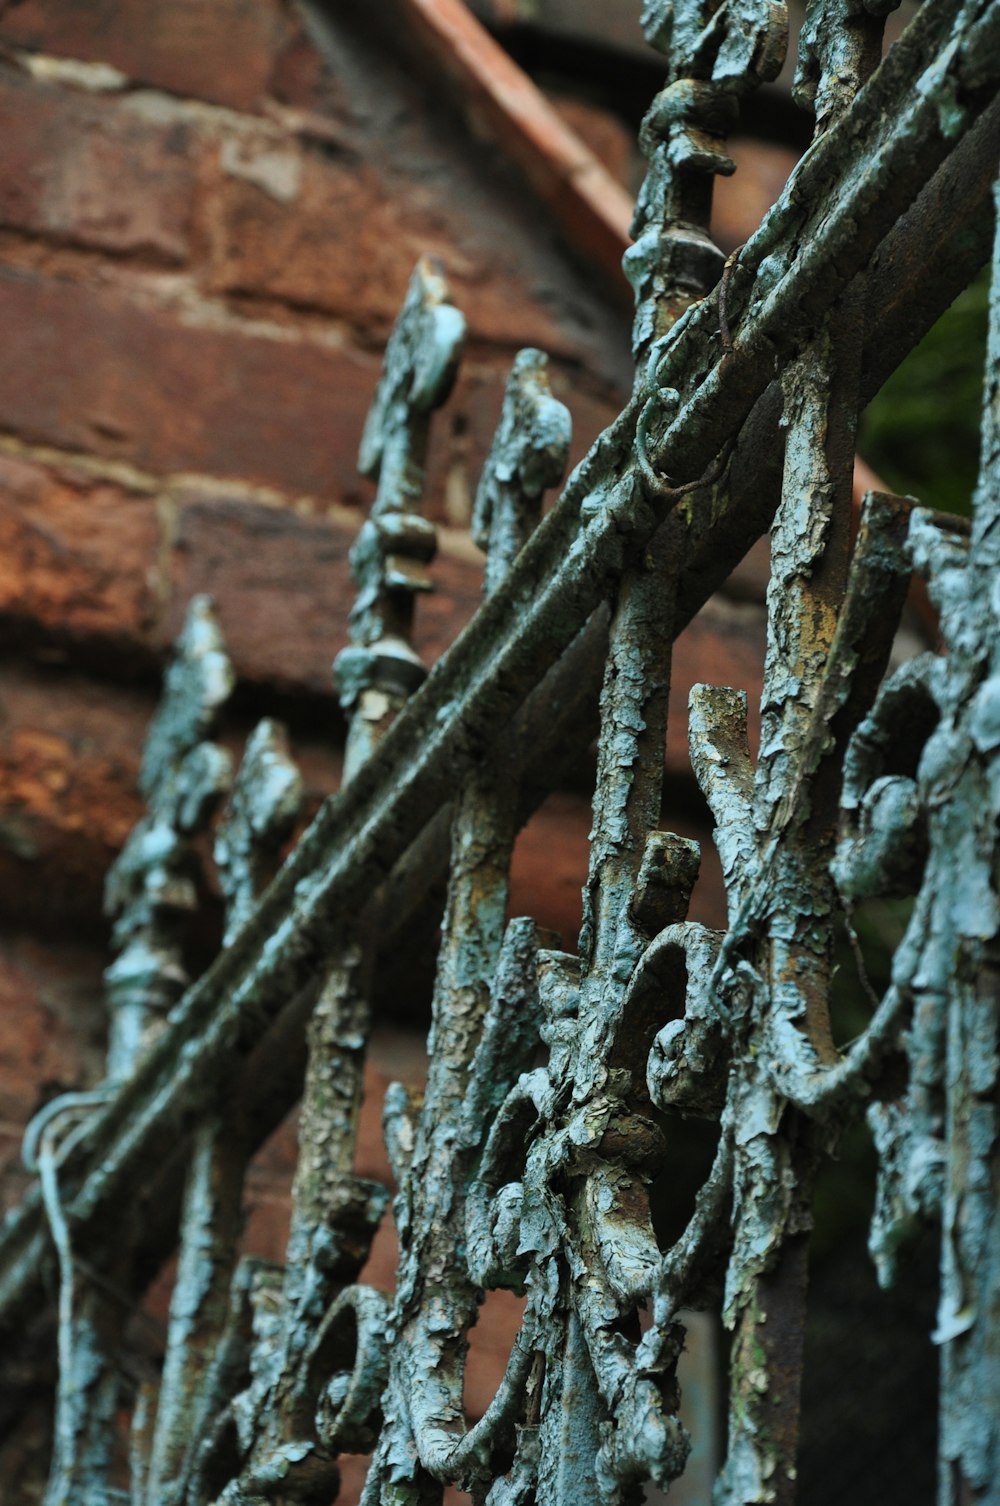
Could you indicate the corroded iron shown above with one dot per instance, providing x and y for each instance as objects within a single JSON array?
[
  {"x": 379, "y": 669},
  {"x": 556, "y": 1076},
  {"x": 151, "y": 893}
]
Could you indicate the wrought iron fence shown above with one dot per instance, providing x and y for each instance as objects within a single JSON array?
[{"x": 555, "y": 1076}]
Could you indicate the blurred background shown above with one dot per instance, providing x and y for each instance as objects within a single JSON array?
[{"x": 209, "y": 211}]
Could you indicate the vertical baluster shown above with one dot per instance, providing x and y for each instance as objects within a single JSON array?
[
  {"x": 966, "y": 888},
  {"x": 259, "y": 816},
  {"x": 375, "y": 675},
  {"x": 810, "y": 546},
  {"x": 151, "y": 891},
  {"x": 712, "y": 60},
  {"x": 672, "y": 265},
  {"x": 765, "y": 1291},
  {"x": 431, "y": 1316}
]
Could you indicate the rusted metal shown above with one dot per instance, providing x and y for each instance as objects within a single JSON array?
[{"x": 555, "y": 1074}]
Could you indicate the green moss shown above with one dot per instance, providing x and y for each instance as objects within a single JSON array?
[{"x": 921, "y": 433}]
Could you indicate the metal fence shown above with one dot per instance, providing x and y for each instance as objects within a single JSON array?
[{"x": 555, "y": 1077}]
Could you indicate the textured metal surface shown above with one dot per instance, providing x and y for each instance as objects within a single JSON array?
[{"x": 555, "y": 1075}]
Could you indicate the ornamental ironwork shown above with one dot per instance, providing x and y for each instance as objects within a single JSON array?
[{"x": 555, "y": 1075}]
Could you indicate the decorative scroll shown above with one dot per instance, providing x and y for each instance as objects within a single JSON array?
[{"x": 556, "y": 1076}]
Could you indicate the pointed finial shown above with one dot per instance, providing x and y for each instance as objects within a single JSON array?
[
  {"x": 529, "y": 453},
  {"x": 261, "y": 810},
  {"x": 379, "y": 669},
  {"x": 150, "y": 887}
]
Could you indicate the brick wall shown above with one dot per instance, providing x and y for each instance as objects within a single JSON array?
[{"x": 206, "y": 228}]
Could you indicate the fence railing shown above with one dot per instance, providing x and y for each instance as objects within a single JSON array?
[{"x": 554, "y": 1075}]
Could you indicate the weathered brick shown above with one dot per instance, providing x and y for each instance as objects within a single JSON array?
[
  {"x": 462, "y": 435},
  {"x": 281, "y": 584},
  {"x": 222, "y": 52},
  {"x": 552, "y": 854},
  {"x": 741, "y": 202},
  {"x": 605, "y": 134},
  {"x": 283, "y": 588},
  {"x": 69, "y": 760},
  {"x": 723, "y": 645},
  {"x": 77, "y": 556},
  {"x": 69, "y": 763},
  {"x": 303, "y": 78},
  {"x": 92, "y": 172},
  {"x": 87, "y": 369},
  {"x": 50, "y": 1022},
  {"x": 341, "y": 236}
]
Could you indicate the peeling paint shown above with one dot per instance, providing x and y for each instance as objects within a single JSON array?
[{"x": 555, "y": 1078}]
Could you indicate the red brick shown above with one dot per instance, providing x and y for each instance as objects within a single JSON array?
[
  {"x": 724, "y": 645},
  {"x": 88, "y": 370},
  {"x": 283, "y": 588},
  {"x": 553, "y": 851},
  {"x": 303, "y": 78},
  {"x": 344, "y": 238},
  {"x": 92, "y": 172},
  {"x": 77, "y": 556},
  {"x": 69, "y": 763},
  {"x": 51, "y": 1022},
  {"x": 604, "y": 133},
  {"x": 741, "y": 202},
  {"x": 281, "y": 584},
  {"x": 222, "y": 51},
  {"x": 443, "y": 613},
  {"x": 549, "y": 867},
  {"x": 69, "y": 760}
]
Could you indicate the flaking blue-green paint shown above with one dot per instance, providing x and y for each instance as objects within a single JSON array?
[
  {"x": 259, "y": 816},
  {"x": 150, "y": 892},
  {"x": 378, "y": 670},
  {"x": 534, "y": 1176},
  {"x": 292, "y": 1418},
  {"x": 424, "y": 1437}
]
